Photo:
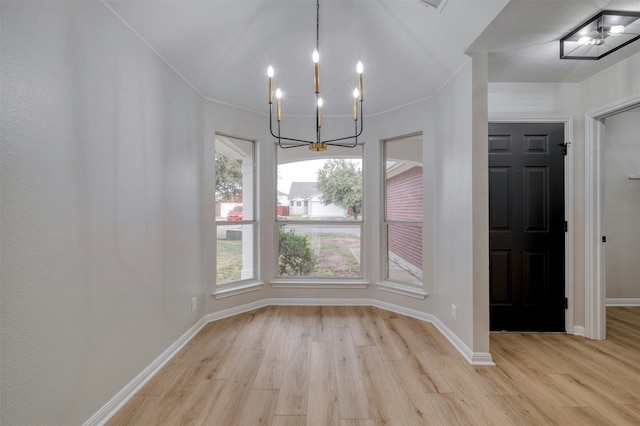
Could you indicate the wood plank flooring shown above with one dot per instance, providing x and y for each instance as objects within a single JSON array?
[{"x": 362, "y": 366}]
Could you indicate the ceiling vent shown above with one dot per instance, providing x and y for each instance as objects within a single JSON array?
[{"x": 438, "y": 4}]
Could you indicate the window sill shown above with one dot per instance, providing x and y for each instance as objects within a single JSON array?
[
  {"x": 318, "y": 283},
  {"x": 403, "y": 289},
  {"x": 228, "y": 290}
]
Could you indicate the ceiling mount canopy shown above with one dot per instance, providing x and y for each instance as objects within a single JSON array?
[
  {"x": 317, "y": 144},
  {"x": 601, "y": 35}
]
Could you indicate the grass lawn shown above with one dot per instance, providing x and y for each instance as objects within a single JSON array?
[
  {"x": 332, "y": 251},
  {"x": 229, "y": 261},
  {"x": 334, "y": 257}
]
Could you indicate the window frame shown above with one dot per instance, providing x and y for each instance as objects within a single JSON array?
[
  {"x": 410, "y": 289},
  {"x": 315, "y": 281},
  {"x": 244, "y": 285}
]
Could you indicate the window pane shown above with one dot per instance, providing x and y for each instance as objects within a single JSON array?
[
  {"x": 319, "y": 251},
  {"x": 405, "y": 253},
  {"x": 320, "y": 188},
  {"x": 234, "y": 179},
  {"x": 234, "y": 195},
  {"x": 404, "y": 179},
  {"x": 235, "y": 253}
]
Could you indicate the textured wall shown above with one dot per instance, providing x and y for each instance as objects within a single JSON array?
[{"x": 100, "y": 209}]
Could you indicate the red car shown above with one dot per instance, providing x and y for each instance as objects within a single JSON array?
[{"x": 235, "y": 213}]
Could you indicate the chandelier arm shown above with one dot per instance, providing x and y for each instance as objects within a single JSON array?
[
  {"x": 355, "y": 136},
  {"x": 271, "y": 122},
  {"x": 302, "y": 141},
  {"x": 342, "y": 144},
  {"x": 292, "y": 146}
]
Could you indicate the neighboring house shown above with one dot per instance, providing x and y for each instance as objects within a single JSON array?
[
  {"x": 404, "y": 201},
  {"x": 306, "y": 200},
  {"x": 282, "y": 208},
  {"x": 283, "y": 199}
]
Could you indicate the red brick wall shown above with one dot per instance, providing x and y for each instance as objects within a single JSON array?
[{"x": 404, "y": 202}]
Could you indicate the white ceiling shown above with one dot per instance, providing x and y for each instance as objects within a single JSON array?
[
  {"x": 223, "y": 47},
  {"x": 523, "y": 41}
]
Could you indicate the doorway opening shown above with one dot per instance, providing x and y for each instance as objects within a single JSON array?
[{"x": 595, "y": 235}]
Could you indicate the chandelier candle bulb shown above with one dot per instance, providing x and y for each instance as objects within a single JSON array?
[
  {"x": 360, "y": 68},
  {"x": 356, "y": 95},
  {"x": 319, "y": 112},
  {"x": 316, "y": 71},
  {"x": 278, "y": 107},
  {"x": 270, "y": 74}
]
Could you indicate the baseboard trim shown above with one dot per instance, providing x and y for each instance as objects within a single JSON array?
[
  {"x": 122, "y": 397},
  {"x": 622, "y": 302},
  {"x": 473, "y": 358},
  {"x": 578, "y": 330}
]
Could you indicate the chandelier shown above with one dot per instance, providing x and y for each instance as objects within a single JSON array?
[{"x": 318, "y": 144}]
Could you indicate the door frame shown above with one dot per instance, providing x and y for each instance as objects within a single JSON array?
[
  {"x": 568, "y": 203},
  {"x": 595, "y": 280}
]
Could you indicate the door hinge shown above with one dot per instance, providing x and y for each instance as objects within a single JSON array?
[
  {"x": 604, "y": 238},
  {"x": 564, "y": 147},
  {"x": 566, "y": 303},
  {"x": 566, "y": 226}
]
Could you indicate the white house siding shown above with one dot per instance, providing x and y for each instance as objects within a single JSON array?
[
  {"x": 298, "y": 210},
  {"x": 318, "y": 209}
]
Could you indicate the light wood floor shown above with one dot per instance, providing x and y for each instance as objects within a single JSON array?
[{"x": 360, "y": 366}]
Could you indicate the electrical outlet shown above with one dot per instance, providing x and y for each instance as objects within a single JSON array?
[
  {"x": 194, "y": 304},
  {"x": 453, "y": 311}
]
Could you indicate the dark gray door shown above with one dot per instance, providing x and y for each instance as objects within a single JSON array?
[{"x": 526, "y": 226}]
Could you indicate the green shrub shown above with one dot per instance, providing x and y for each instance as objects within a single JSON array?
[{"x": 296, "y": 257}]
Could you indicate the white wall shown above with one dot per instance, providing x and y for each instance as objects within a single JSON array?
[
  {"x": 100, "y": 209},
  {"x": 453, "y": 208},
  {"x": 480, "y": 201},
  {"x": 622, "y": 205},
  {"x": 616, "y": 83}
]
